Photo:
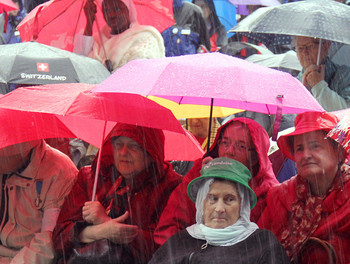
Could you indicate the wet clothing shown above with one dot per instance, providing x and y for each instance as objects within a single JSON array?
[
  {"x": 294, "y": 215},
  {"x": 137, "y": 42},
  {"x": 190, "y": 15},
  {"x": 11, "y": 35},
  {"x": 333, "y": 93},
  {"x": 180, "y": 210},
  {"x": 260, "y": 247},
  {"x": 144, "y": 200},
  {"x": 31, "y": 201},
  {"x": 217, "y": 31}
]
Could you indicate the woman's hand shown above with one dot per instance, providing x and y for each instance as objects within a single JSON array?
[
  {"x": 120, "y": 233},
  {"x": 95, "y": 213}
]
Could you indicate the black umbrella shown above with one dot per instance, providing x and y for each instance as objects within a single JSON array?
[{"x": 32, "y": 63}]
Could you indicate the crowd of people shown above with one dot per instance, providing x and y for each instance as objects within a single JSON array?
[{"x": 225, "y": 207}]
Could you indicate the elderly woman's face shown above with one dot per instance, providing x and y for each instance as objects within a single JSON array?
[
  {"x": 129, "y": 157},
  {"x": 222, "y": 205},
  {"x": 316, "y": 158}
]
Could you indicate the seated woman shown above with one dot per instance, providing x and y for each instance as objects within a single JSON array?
[
  {"x": 122, "y": 39},
  {"x": 309, "y": 213},
  {"x": 223, "y": 232},
  {"x": 133, "y": 188}
]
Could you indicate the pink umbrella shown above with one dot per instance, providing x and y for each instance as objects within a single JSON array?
[
  {"x": 201, "y": 78},
  {"x": 7, "y": 5},
  {"x": 214, "y": 79},
  {"x": 57, "y": 22}
]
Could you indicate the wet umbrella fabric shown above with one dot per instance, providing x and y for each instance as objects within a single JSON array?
[
  {"x": 214, "y": 79},
  {"x": 71, "y": 110},
  {"x": 287, "y": 60},
  {"x": 341, "y": 132},
  {"x": 58, "y": 22},
  {"x": 35, "y": 63},
  {"x": 7, "y": 5},
  {"x": 197, "y": 79},
  {"x": 324, "y": 19}
]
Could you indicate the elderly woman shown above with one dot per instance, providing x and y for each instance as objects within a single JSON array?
[
  {"x": 223, "y": 232},
  {"x": 133, "y": 188},
  {"x": 310, "y": 213}
]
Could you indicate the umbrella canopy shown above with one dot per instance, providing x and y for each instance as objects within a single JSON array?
[
  {"x": 35, "y": 63},
  {"x": 341, "y": 132},
  {"x": 57, "y": 22},
  {"x": 324, "y": 19},
  {"x": 71, "y": 110},
  {"x": 287, "y": 60},
  {"x": 213, "y": 78},
  {"x": 7, "y": 5},
  {"x": 194, "y": 111},
  {"x": 234, "y": 48}
]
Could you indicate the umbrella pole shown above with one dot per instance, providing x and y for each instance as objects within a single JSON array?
[
  {"x": 319, "y": 52},
  {"x": 98, "y": 164},
  {"x": 210, "y": 119},
  {"x": 107, "y": 61}
]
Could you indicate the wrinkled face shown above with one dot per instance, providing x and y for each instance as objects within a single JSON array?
[
  {"x": 199, "y": 126},
  {"x": 116, "y": 14},
  {"x": 205, "y": 8},
  {"x": 129, "y": 157},
  {"x": 307, "y": 50},
  {"x": 315, "y": 157},
  {"x": 222, "y": 205},
  {"x": 236, "y": 143}
]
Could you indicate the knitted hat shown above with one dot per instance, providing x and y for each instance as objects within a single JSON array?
[
  {"x": 226, "y": 169},
  {"x": 304, "y": 123}
]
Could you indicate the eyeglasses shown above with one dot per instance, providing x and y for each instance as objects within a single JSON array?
[
  {"x": 133, "y": 146},
  {"x": 238, "y": 146},
  {"x": 308, "y": 48}
]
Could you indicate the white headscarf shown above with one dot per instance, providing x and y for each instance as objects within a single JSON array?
[{"x": 230, "y": 235}]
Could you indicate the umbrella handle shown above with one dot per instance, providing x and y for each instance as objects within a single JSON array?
[
  {"x": 108, "y": 62},
  {"x": 98, "y": 164},
  {"x": 319, "y": 52}
]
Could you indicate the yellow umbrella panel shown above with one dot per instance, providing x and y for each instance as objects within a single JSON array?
[{"x": 194, "y": 111}]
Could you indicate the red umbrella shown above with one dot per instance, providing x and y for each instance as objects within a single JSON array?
[
  {"x": 57, "y": 22},
  {"x": 71, "y": 110},
  {"x": 7, "y": 5}
]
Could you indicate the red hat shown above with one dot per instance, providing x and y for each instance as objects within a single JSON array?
[{"x": 304, "y": 123}]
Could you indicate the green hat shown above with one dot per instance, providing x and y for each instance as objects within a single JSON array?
[{"x": 226, "y": 169}]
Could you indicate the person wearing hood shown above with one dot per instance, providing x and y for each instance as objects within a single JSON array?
[
  {"x": 35, "y": 180},
  {"x": 133, "y": 187},
  {"x": 191, "y": 15},
  {"x": 223, "y": 232},
  {"x": 8, "y": 32},
  {"x": 122, "y": 39},
  {"x": 309, "y": 213},
  {"x": 241, "y": 139},
  {"x": 217, "y": 31}
]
